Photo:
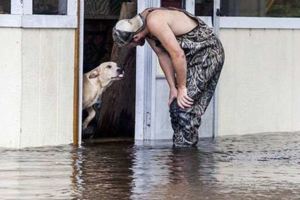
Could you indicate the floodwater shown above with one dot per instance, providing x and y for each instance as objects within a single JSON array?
[{"x": 265, "y": 166}]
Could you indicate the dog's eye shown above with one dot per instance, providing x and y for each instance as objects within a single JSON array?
[{"x": 108, "y": 66}]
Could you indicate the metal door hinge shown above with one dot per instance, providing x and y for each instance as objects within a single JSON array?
[{"x": 148, "y": 119}]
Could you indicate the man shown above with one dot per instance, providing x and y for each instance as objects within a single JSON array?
[{"x": 191, "y": 57}]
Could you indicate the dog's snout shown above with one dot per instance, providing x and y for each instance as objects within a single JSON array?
[{"x": 120, "y": 70}]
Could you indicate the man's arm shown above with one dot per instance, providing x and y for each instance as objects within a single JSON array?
[
  {"x": 165, "y": 63},
  {"x": 160, "y": 29}
]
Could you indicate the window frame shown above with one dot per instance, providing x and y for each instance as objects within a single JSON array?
[
  {"x": 255, "y": 22},
  {"x": 21, "y": 16},
  {"x": 230, "y": 22},
  {"x": 260, "y": 22}
]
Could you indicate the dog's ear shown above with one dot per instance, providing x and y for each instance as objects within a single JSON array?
[{"x": 94, "y": 74}]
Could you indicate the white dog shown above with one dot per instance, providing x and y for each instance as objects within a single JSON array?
[{"x": 95, "y": 82}]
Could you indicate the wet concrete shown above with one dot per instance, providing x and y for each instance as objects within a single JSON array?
[{"x": 265, "y": 166}]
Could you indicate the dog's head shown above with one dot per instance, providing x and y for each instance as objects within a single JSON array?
[{"x": 107, "y": 72}]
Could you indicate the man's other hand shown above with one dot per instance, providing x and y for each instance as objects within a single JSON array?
[{"x": 183, "y": 100}]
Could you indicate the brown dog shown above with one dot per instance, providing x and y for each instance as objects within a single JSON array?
[{"x": 95, "y": 82}]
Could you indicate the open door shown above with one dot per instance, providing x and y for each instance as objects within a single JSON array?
[{"x": 208, "y": 11}]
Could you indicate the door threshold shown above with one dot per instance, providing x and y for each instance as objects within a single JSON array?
[{"x": 108, "y": 140}]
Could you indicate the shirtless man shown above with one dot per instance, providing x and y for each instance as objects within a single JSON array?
[{"x": 191, "y": 57}]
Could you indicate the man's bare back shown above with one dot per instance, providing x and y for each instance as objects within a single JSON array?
[{"x": 178, "y": 21}]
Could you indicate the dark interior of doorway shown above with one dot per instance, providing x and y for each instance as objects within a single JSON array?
[{"x": 116, "y": 113}]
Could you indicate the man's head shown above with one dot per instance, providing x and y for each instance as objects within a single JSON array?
[{"x": 129, "y": 32}]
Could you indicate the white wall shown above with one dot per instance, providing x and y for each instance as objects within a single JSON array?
[
  {"x": 259, "y": 85},
  {"x": 47, "y": 81},
  {"x": 37, "y": 76},
  {"x": 10, "y": 86}
]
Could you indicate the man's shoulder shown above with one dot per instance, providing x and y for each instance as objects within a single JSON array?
[{"x": 156, "y": 17}]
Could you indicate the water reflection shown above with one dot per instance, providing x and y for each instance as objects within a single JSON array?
[
  {"x": 171, "y": 173},
  {"x": 248, "y": 167},
  {"x": 36, "y": 173},
  {"x": 105, "y": 171}
]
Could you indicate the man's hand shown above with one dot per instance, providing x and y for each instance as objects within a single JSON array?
[
  {"x": 183, "y": 100},
  {"x": 172, "y": 95}
]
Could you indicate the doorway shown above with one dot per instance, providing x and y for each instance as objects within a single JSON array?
[{"x": 115, "y": 110}]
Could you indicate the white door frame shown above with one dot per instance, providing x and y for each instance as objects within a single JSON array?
[
  {"x": 145, "y": 84},
  {"x": 80, "y": 70}
]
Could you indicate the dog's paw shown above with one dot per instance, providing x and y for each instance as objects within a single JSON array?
[{"x": 88, "y": 132}]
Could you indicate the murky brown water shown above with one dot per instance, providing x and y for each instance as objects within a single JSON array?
[{"x": 247, "y": 167}]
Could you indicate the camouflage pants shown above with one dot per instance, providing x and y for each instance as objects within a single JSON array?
[{"x": 203, "y": 71}]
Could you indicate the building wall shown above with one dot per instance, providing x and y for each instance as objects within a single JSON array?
[
  {"x": 10, "y": 86},
  {"x": 40, "y": 98},
  {"x": 47, "y": 94},
  {"x": 258, "y": 88}
]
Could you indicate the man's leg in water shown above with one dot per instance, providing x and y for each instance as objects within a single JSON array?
[
  {"x": 201, "y": 85},
  {"x": 186, "y": 122}
]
